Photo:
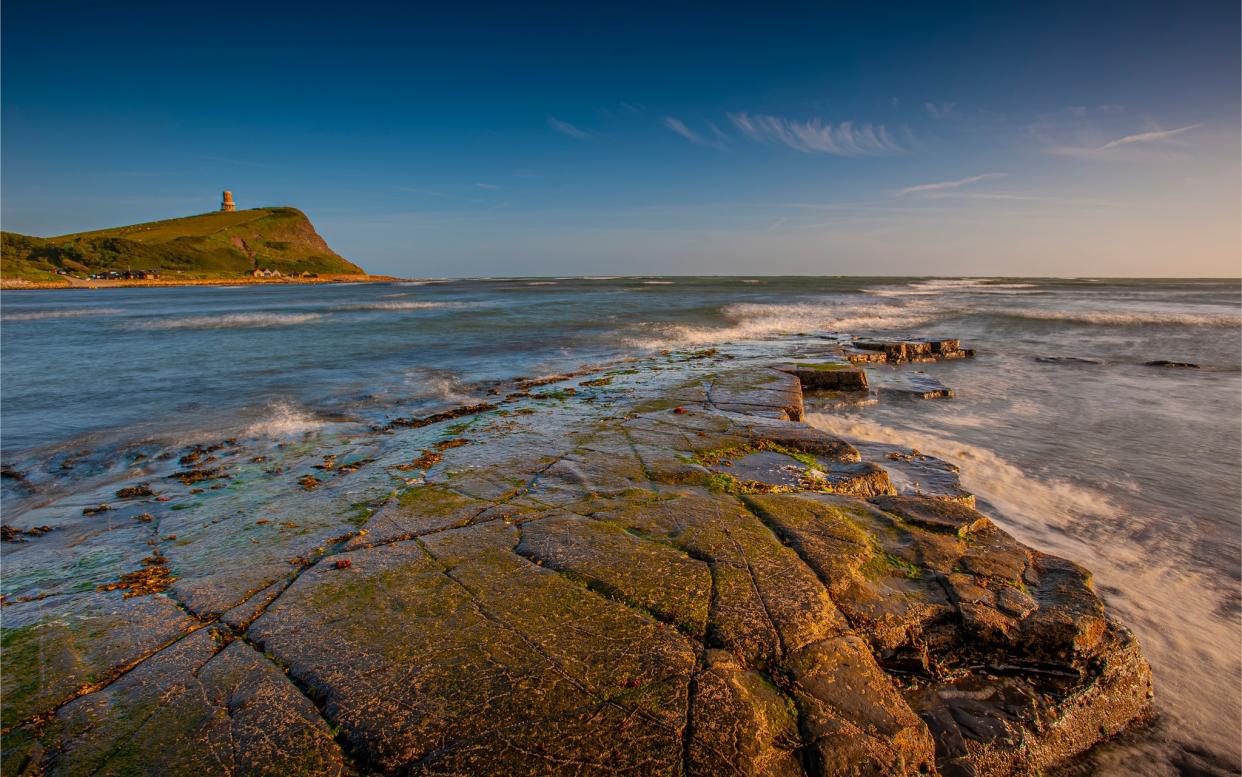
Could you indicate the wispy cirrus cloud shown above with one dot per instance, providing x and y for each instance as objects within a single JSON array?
[
  {"x": 941, "y": 110},
  {"x": 565, "y": 128},
  {"x": 1148, "y": 137},
  {"x": 925, "y": 188},
  {"x": 717, "y": 140},
  {"x": 816, "y": 136},
  {"x": 1156, "y": 137},
  {"x": 488, "y": 186}
]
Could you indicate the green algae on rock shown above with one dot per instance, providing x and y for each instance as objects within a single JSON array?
[{"x": 568, "y": 594}]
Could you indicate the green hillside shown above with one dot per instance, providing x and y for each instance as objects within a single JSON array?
[{"x": 213, "y": 245}]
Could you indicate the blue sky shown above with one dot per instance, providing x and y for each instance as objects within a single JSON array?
[{"x": 830, "y": 138}]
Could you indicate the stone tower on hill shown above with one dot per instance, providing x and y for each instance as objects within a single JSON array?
[{"x": 226, "y": 204}]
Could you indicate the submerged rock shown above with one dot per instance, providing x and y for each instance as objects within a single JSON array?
[
  {"x": 1067, "y": 360},
  {"x": 912, "y": 386},
  {"x": 1174, "y": 365}
]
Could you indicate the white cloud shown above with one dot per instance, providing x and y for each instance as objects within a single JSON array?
[
  {"x": 942, "y": 185},
  {"x": 488, "y": 186},
  {"x": 941, "y": 111},
  {"x": 818, "y": 136},
  {"x": 1147, "y": 137},
  {"x": 565, "y": 128},
  {"x": 1140, "y": 138},
  {"x": 677, "y": 125}
]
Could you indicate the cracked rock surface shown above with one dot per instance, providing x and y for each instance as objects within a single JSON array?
[{"x": 644, "y": 576}]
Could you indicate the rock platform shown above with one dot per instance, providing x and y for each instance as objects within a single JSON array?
[{"x": 654, "y": 570}]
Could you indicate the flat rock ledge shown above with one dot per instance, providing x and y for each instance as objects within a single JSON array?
[{"x": 672, "y": 581}]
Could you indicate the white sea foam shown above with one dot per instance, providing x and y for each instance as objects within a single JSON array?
[
  {"x": 1145, "y": 588},
  {"x": 230, "y": 321},
  {"x": 943, "y": 286},
  {"x": 1118, "y": 318},
  {"x": 658, "y": 283},
  {"x": 439, "y": 385},
  {"x": 410, "y": 305},
  {"x": 751, "y": 321},
  {"x": 541, "y": 283},
  {"x": 284, "y": 420},
  {"x": 41, "y": 315}
]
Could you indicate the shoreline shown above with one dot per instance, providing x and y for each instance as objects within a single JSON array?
[
  {"x": 779, "y": 604},
  {"x": 19, "y": 285}
]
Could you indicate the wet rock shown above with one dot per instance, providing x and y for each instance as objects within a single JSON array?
[
  {"x": 191, "y": 476},
  {"x": 198, "y": 707},
  {"x": 447, "y": 415},
  {"x": 1172, "y": 365},
  {"x": 53, "y": 648},
  {"x": 14, "y": 534},
  {"x": 914, "y": 473},
  {"x": 741, "y": 723},
  {"x": 912, "y": 386},
  {"x": 1067, "y": 360},
  {"x": 915, "y": 350},
  {"x": 828, "y": 376},
  {"x": 670, "y": 584},
  {"x": 567, "y": 595},
  {"x": 134, "y": 492}
]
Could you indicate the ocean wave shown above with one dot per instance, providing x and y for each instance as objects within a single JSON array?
[
  {"x": 1036, "y": 506},
  {"x": 541, "y": 283},
  {"x": 1117, "y": 318},
  {"x": 1142, "y": 586},
  {"x": 230, "y": 321},
  {"x": 284, "y": 420},
  {"x": 658, "y": 283},
  {"x": 41, "y": 315},
  {"x": 752, "y": 321},
  {"x": 942, "y": 286},
  {"x": 411, "y": 305},
  {"x": 438, "y": 385}
]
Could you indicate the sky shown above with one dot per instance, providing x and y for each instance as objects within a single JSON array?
[{"x": 479, "y": 139}]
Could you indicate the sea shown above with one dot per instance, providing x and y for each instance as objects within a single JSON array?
[{"x": 1070, "y": 440}]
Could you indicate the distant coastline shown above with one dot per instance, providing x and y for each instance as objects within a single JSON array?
[
  {"x": 228, "y": 246},
  {"x": 19, "y": 284}
]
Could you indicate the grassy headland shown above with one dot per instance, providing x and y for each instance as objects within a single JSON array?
[{"x": 212, "y": 247}]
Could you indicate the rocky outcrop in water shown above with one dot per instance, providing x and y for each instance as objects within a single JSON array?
[
  {"x": 661, "y": 573},
  {"x": 897, "y": 351}
]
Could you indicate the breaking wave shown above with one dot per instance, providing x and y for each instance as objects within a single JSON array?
[
  {"x": 1110, "y": 318},
  {"x": 1057, "y": 516},
  {"x": 284, "y": 420},
  {"x": 412, "y": 305},
  {"x": 41, "y": 315},
  {"x": 954, "y": 286},
  {"x": 230, "y": 321},
  {"x": 752, "y": 321}
]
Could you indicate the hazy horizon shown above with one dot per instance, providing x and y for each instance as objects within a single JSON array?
[{"x": 1047, "y": 140}]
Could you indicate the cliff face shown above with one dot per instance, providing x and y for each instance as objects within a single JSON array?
[{"x": 213, "y": 245}]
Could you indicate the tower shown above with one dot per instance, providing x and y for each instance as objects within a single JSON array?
[{"x": 226, "y": 204}]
